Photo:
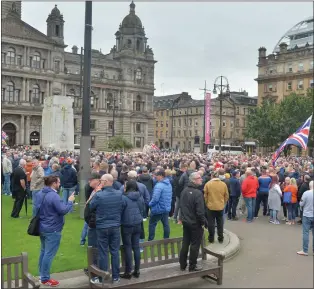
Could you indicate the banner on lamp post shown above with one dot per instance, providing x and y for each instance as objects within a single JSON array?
[{"x": 207, "y": 118}]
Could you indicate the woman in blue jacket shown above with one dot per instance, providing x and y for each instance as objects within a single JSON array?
[{"x": 131, "y": 220}]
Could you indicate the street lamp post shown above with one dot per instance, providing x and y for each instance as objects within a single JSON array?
[
  {"x": 224, "y": 91},
  {"x": 173, "y": 102},
  {"x": 114, "y": 107}
]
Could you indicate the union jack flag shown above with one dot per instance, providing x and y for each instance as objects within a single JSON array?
[
  {"x": 3, "y": 135},
  {"x": 154, "y": 147},
  {"x": 299, "y": 139}
]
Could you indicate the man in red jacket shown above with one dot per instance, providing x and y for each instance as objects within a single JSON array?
[{"x": 249, "y": 189}]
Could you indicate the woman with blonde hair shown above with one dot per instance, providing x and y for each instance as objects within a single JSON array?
[{"x": 291, "y": 199}]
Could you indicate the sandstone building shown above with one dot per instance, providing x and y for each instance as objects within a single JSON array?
[
  {"x": 35, "y": 65},
  {"x": 289, "y": 68},
  {"x": 179, "y": 120}
]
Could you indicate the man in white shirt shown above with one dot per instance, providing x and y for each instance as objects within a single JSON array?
[{"x": 306, "y": 204}]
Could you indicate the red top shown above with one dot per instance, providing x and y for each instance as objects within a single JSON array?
[{"x": 249, "y": 187}]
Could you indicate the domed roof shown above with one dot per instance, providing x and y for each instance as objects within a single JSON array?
[
  {"x": 55, "y": 12},
  {"x": 300, "y": 34},
  {"x": 132, "y": 20}
]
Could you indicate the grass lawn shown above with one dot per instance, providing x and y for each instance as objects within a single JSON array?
[{"x": 70, "y": 256}]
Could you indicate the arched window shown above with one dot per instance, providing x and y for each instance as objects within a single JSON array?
[
  {"x": 9, "y": 92},
  {"x": 36, "y": 94},
  {"x": 36, "y": 60},
  {"x": 109, "y": 104},
  {"x": 138, "y": 103},
  {"x": 11, "y": 56},
  {"x": 138, "y": 44},
  {"x": 129, "y": 43}
]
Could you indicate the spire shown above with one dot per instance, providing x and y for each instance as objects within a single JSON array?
[{"x": 132, "y": 8}]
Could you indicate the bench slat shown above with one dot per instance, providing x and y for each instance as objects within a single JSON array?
[
  {"x": 9, "y": 279},
  {"x": 11, "y": 260},
  {"x": 166, "y": 251},
  {"x": 152, "y": 253},
  {"x": 159, "y": 252},
  {"x": 145, "y": 255},
  {"x": 16, "y": 274},
  {"x": 173, "y": 253}
]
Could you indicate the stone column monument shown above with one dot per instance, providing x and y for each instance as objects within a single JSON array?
[{"x": 58, "y": 123}]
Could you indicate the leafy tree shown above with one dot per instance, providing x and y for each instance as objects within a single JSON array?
[{"x": 119, "y": 143}]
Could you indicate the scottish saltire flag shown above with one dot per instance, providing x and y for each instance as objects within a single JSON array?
[
  {"x": 299, "y": 139},
  {"x": 3, "y": 135}
]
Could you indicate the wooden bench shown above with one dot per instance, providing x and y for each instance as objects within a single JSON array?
[
  {"x": 20, "y": 278},
  {"x": 159, "y": 265}
]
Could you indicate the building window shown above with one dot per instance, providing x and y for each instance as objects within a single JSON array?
[
  {"x": 190, "y": 121},
  {"x": 167, "y": 123},
  {"x": 11, "y": 56},
  {"x": 289, "y": 85},
  {"x": 196, "y": 132},
  {"x": 156, "y": 134},
  {"x": 270, "y": 87},
  {"x": 57, "y": 30},
  {"x": 92, "y": 124},
  {"x": 110, "y": 125},
  {"x": 109, "y": 103},
  {"x": 138, "y": 143},
  {"x": 179, "y": 123},
  {"x": 196, "y": 122},
  {"x": 161, "y": 124},
  {"x": 174, "y": 122},
  {"x": 244, "y": 110},
  {"x": 93, "y": 141},
  {"x": 36, "y": 60},
  {"x": 2, "y": 57},
  {"x": 290, "y": 69},
  {"x": 196, "y": 110},
  {"x": 156, "y": 123},
  {"x": 92, "y": 100},
  {"x": 190, "y": 133},
  {"x": 238, "y": 110},
  {"x": 138, "y": 75},
  {"x": 224, "y": 123},
  {"x": 167, "y": 113},
  {"x": 57, "y": 66},
  {"x": 167, "y": 134},
  {"x": 301, "y": 67},
  {"x": 184, "y": 133},
  {"x": 300, "y": 84},
  {"x": 19, "y": 60},
  {"x": 138, "y": 103},
  {"x": 179, "y": 133},
  {"x": 129, "y": 43},
  {"x": 9, "y": 92},
  {"x": 237, "y": 122},
  {"x": 157, "y": 113},
  {"x": 161, "y": 134},
  {"x": 231, "y": 124},
  {"x": 138, "y": 127},
  {"x": 36, "y": 94},
  {"x": 312, "y": 83}
]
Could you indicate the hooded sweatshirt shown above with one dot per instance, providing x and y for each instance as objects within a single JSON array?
[{"x": 133, "y": 209}]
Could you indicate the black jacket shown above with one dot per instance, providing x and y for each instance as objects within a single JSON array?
[
  {"x": 147, "y": 180},
  {"x": 303, "y": 188},
  {"x": 177, "y": 188},
  {"x": 192, "y": 206}
]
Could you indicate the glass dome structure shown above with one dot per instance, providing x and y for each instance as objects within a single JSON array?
[{"x": 300, "y": 34}]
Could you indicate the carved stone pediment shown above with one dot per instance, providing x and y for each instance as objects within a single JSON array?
[{"x": 15, "y": 27}]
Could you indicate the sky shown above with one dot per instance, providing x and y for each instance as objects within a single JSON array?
[{"x": 192, "y": 41}]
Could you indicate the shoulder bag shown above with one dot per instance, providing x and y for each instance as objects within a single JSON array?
[{"x": 33, "y": 227}]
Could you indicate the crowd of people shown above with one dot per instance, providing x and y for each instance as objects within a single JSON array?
[{"x": 126, "y": 189}]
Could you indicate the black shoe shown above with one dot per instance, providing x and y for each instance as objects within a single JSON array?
[
  {"x": 211, "y": 241},
  {"x": 229, "y": 218},
  {"x": 136, "y": 274},
  {"x": 221, "y": 241},
  {"x": 195, "y": 268},
  {"x": 182, "y": 268},
  {"x": 235, "y": 218},
  {"x": 126, "y": 276}
]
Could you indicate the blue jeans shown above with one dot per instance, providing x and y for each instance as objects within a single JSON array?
[
  {"x": 7, "y": 184},
  {"x": 84, "y": 234},
  {"x": 50, "y": 243},
  {"x": 34, "y": 196},
  {"x": 273, "y": 215},
  {"x": 66, "y": 193},
  {"x": 92, "y": 241},
  {"x": 291, "y": 211},
  {"x": 131, "y": 241},
  {"x": 307, "y": 225},
  {"x": 250, "y": 205},
  {"x": 109, "y": 239},
  {"x": 154, "y": 219}
]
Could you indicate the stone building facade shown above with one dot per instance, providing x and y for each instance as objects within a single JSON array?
[
  {"x": 289, "y": 68},
  {"x": 36, "y": 65},
  {"x": 179, "y": 120}
]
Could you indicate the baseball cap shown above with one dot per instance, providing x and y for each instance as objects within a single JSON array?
[{"x": 234, "y": 173}]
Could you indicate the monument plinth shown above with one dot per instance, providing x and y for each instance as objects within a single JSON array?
[{"x": 58, "y": 123}]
